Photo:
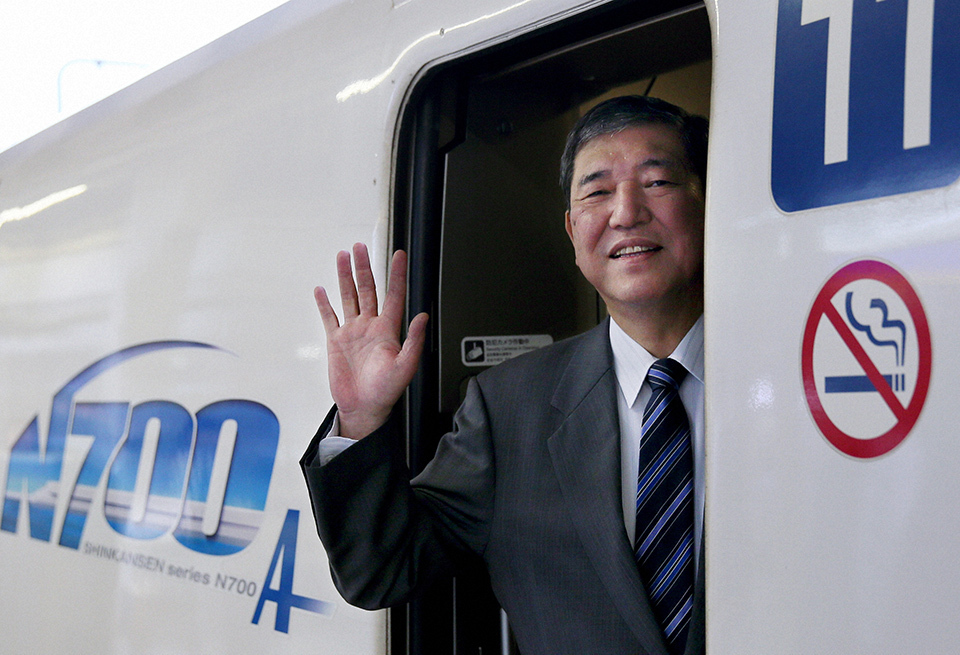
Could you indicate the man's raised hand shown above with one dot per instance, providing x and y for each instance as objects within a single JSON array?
[{"x": 368, "y": 368}]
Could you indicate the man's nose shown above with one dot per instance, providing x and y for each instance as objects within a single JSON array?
[{"x": 629, "y": 207}]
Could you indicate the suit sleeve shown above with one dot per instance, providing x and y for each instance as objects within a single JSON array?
[{"x": 386, "y": 536}]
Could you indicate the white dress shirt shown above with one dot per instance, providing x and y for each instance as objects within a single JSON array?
[{"x": 631, "y": 363}]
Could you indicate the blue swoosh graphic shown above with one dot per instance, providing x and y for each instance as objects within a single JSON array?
[{"x": 63, "y": 400}]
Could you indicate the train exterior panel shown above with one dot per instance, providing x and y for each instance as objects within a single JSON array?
[
  {"x": 833, "y": 260},
  {"x": 162, "y": 366}
]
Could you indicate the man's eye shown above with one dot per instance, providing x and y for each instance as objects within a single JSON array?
[{"x": 597, "y": 192}]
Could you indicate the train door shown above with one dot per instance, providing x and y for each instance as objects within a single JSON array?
[
  {"x": 833, "y": 291},
  {"x": 478, "y": 207}
]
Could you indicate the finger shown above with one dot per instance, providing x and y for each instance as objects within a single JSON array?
[
  {"x": 395, "y": 299},
  {"x": 327, "y": 314},
  {"x": 348, "y": 291},
  {"x": 366, "y": 285}
]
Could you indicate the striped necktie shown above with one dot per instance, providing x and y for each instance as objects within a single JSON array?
[{"x": 663, "y": 545}]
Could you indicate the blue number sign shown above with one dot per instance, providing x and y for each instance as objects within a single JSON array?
[{"x": 866, "y": 100}]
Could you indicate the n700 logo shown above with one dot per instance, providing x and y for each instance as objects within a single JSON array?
[{"x": 163, "y": 466}]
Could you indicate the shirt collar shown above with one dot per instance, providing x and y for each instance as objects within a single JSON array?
[{"x": 631, "y": 361}]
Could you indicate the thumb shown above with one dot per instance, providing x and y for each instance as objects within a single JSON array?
[{"x": 409, "y": 357}]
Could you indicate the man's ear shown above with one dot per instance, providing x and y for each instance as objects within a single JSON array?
[{"x": 568, "y": 224}]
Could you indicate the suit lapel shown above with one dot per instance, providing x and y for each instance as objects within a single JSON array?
[{"x": 585, "y": 451}]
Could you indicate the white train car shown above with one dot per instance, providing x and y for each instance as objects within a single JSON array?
[{"x": 162, "y": 364}]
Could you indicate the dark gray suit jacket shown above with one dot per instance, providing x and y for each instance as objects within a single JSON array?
[{"x": 529, "y": 481}]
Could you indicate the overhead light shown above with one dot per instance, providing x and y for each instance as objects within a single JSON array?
[{"x": 20, "y": 213}]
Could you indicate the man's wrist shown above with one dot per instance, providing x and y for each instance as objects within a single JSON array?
[
  {"x": 333, "y": 443},
  {"x": 358, "y": 425}
]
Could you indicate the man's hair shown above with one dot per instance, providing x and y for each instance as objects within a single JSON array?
[{"x": 617, "y": 114}]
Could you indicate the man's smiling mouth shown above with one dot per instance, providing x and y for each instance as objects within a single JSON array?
[{"x": 634, "y": 250}]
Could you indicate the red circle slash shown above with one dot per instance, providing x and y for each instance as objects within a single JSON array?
[{"x": 906, "y": 417}]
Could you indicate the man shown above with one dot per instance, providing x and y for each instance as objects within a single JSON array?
[{"x": 590, "y": 533}]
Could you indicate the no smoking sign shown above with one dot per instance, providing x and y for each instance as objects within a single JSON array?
[{"x": 866, "y": 359}]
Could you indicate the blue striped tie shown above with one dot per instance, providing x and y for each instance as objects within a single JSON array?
[{"x": 663, "y": 545}]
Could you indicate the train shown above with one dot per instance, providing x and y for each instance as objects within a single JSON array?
[{"x": 162, "y": 365}]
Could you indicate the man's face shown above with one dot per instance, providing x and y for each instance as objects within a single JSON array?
[{"x": 636, "y": 220}]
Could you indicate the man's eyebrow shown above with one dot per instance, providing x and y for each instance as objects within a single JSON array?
[
  {"x": 592, "y": 177},
  {"x": 652, "y": 162}
]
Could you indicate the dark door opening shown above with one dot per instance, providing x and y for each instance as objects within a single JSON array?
[{"x": 478, "y": 207}]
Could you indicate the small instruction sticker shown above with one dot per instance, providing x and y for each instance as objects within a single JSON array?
[{"x": 490, "y": 351}]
